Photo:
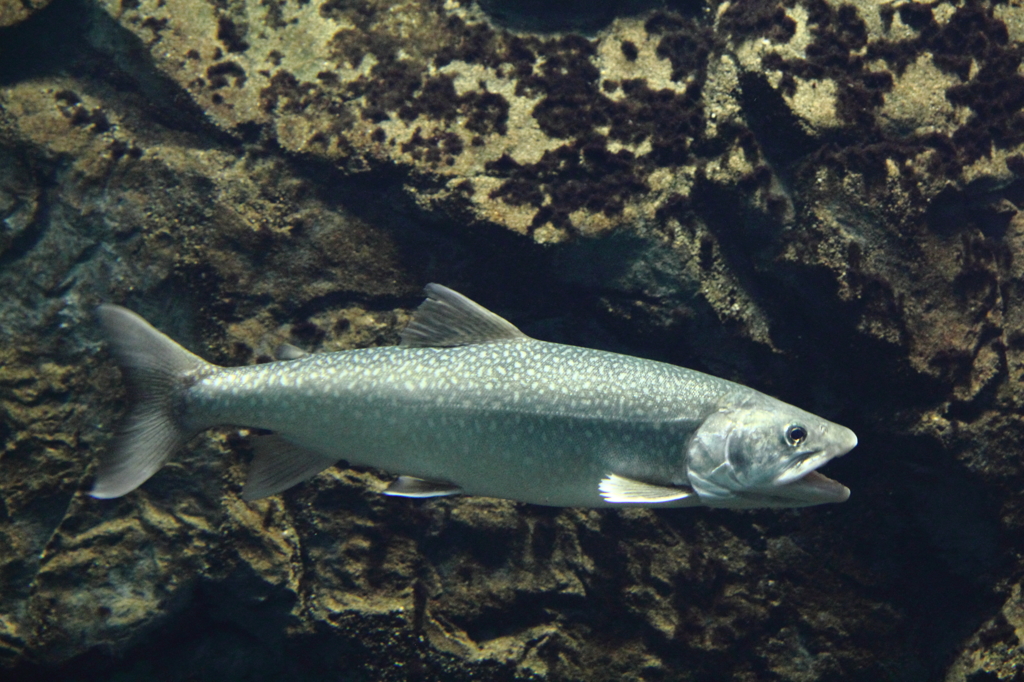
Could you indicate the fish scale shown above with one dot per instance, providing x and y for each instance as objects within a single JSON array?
[
  {"x": 468, "y": 404},
  {"x": 446, "y": 413}
]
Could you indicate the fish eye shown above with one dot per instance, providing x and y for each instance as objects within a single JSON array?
[{"x": 796, "y": 434}]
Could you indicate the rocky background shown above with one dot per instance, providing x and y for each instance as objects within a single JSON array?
[{"x": 817, "y": 199}]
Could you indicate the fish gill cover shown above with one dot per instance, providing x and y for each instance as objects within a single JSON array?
[{"x": 818, "y": 199}]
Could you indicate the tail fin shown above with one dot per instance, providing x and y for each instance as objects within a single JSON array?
[{"x": 157, "y": 371}]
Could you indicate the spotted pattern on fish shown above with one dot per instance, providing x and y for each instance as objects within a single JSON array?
[{"x": 470, "y": 404}]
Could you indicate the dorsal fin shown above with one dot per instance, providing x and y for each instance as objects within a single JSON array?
[{"x": 447, "y": 318}]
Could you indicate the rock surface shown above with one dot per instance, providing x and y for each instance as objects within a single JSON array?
[
  {"x": 818, "y": 199},
  {"x": 15, "y": 11}
]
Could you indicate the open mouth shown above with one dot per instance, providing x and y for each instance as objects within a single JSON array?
[
  {"x": 804, "y": 484},
  {"x": 804, "y": 467},
  {"x": 813, "y": 488},
  {"x": 816, "y": 488}
]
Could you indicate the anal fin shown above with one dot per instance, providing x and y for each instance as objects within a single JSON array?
[
  {"x": 617, "y": 489},
  {"x": 279, "y": 464},
  {"x": 410, "y": 486}
]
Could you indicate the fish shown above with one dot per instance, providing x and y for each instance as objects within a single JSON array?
[{"x": 467, "y": 404}]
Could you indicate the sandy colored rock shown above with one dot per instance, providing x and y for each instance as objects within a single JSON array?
[
  {"x": 919, "y": 98},
  {"x": 16, "y": 11}
]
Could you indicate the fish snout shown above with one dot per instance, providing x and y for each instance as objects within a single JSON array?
[{"x": 845, "y": 440}]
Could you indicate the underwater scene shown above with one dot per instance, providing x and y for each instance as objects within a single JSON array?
[{"x": 450, "y": 340}]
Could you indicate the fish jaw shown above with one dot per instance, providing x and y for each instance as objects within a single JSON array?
[
  {"x": 811, "y": 489},
  {"x": 843, "y": 440},
  {"x": 803, "y": 485}
]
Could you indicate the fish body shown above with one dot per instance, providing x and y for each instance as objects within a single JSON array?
[{"x": 470, "y": 405}]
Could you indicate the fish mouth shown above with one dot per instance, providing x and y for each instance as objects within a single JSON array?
[
  {"x": 813, "y": 487},
  {"x": 803, "y": 484},
  {"x": 803, "y": 467}
]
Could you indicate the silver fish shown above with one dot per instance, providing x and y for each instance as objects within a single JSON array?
[{"x": 468, "y": 404}]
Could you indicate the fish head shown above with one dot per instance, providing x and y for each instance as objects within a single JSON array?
[{"x": 765, "y": 453}]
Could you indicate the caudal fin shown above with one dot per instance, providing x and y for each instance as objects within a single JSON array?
[{"x": 157, "y": 371}]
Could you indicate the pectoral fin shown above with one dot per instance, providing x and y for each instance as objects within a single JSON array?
[
  {"x": 617, "y": 489},
  {"x": 279, "y": 464},
  {"x": 410, "y": 486}
]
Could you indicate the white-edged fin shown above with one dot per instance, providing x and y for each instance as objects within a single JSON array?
[
  {"x": 410, "y": 486},
  {"x": 279, "y": 464},
  {"x": 617, "y": 489},
  {"x": 447, "y": 318},
  {"x": 287, "y": 351},
  {"x": 157, "y": 372}
]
